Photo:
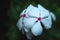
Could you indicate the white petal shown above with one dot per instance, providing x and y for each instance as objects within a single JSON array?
[
  {"x": 26, "y": 29},
  {"x": 37, "y": 29},
  {"x": 19, "y": 24},
  {"x": 47, "y": 22},
  {"x": 22, "y": 12},
  {"x": 43, "y": 12},
  {"x": 29, "y": 8},
  {"x": 29, "y": 22},
  {"x": 32, "y": 11},
  {"x": 53, "y": 16}
]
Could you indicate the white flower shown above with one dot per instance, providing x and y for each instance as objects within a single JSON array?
[{"x": 31, "y": 18}]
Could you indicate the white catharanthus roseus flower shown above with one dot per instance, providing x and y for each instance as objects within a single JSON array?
[{"x": 31, "y": 18}]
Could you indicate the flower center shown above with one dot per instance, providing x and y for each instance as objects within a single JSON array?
[
  {"x": 24, "y": 15},
  {"x": 39, "y": 18}
]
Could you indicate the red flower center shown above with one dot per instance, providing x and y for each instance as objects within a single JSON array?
[
  {"x": 39, "y": 18},
  {"x": 24, "y": 15}
]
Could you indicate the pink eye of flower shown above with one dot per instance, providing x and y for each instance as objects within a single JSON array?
[
  {"x": 39, "y": 18},
  {"x": 24, "y": 15}
]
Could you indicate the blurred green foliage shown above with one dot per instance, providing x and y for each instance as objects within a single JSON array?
[{"x": 15, "y": 7}]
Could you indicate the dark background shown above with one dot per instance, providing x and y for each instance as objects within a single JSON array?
[{"x": 9, "y": 15}]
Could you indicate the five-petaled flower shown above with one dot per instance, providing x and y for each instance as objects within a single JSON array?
[{"x": 31, "y": 18}]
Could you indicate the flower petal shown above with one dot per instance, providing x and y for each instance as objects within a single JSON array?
[
  {"x": 22, "y": 12},
  {"x": 43, "y": 12},
  {"x": 26, "y": 29},
  {"x": 37, "y": 29},
  {"x": 28, "y": 22},
  {"x": 29, "y": 8},
  {"x": 32, "y": 11},
  {"x": 53, "y": 16},
  {"x": 47, "y": 22},
  {"x": 19, "y": 24}
]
